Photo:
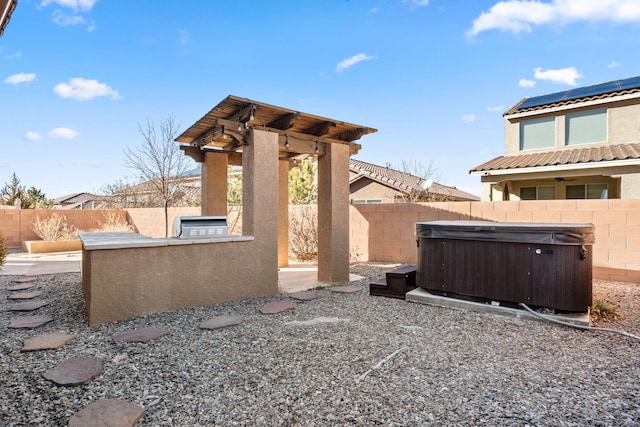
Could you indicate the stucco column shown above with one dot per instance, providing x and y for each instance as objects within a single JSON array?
[
  {"x": 333, "y": 214},
  {"x": 214, "y": 183},
  {"x": 260, "y": 191},
  {"x": 283, "y": 213}
]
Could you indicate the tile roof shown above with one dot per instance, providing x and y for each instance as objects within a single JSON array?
[
  {"x": 602, "y": 153},
  {"x": 403, "y": 181},
  {"x": 573, "y": 96}
]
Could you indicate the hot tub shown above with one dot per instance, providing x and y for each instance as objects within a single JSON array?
[{"x": 541, "y": 265}]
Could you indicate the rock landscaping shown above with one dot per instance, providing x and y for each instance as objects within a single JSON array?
[{"x": 338, "y": 359}]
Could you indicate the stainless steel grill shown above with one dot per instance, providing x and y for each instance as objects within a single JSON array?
[{"x": 200, "y": 227}]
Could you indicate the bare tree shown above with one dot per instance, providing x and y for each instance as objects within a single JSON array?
[
  {"x": 160, "y": 163},
  {"x": 121, "y": 194},
  {"x": 423, "y": 177}
]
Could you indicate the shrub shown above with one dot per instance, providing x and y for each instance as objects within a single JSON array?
[
  {"x": 604, "y": 310},
  {"x": 303, "y": 233},
  {"x": 3, "y": 251},
  {"x": 54, "y": 228},
  {"x": 114, "y": 222}
]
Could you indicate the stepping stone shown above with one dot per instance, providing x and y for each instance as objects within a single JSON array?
[
  {"x": 349, "y": 289},
  {"x": 108, "y": 413},
  {"x": 21, "y": 287},
  {"x": 46, "y": 342},
  {"x": 28, "y": 306},
  {"x": 29, "y": 322},
  {"x": 221, "y": 322},
  {"x": 24, "y": 295},
  {"x": 304, "y": 295},
  {"x": 75, "y": 371},
  {"x": 274, "y": 307},
  {"x": 140, "y": 335},
  {"x": 25, "y": 280}
]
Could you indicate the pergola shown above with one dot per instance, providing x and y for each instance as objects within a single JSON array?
[{"x": 265, "y": 140}]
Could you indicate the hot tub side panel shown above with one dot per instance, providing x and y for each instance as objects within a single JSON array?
[{"x": 554, "y": 277}]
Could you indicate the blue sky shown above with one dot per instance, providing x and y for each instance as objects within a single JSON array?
[{"x": 433, "y": 76}]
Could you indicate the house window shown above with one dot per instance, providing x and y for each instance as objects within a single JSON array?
[
  {"x": 366, "y": 201},
  {"x": 544, "y": 192},
  {"x": 539, "y": 133},
  {"x": 586, "y": 128},
  {"x": 589, "y": 191}
]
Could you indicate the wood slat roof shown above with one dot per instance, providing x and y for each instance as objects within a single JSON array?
[
  {"x": 254, "y": 114},
  {"x": 6, "y": 9},
  {"x": 601, "y": 153}
]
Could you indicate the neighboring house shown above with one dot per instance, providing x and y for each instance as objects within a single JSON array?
[
  {"x": 6, "y": 9},
  {"x": 582, "y": 143},
  {"x": 371, "y": 183},
  {"x": 77, "y": 201},
  {"x": 145, "y": 194}
]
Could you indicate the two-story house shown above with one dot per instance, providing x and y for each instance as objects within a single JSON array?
[{"x": 582, "y": 143}]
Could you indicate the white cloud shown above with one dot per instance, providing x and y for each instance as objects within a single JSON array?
[
  {"x": 496, "y": 108},
  {"x": 349, "y": 62},
  {"x": 66, "y": 20},
  {"x": 416, "y": 2},
  {"x": 564, "y": 75},
  {"x": 526, "y": 83},
  {"x": 468, "y": 118},
  {"x": 32, "y": 136},
  {"x": 521, "y": 15},
  {"x": 614, "y": 64},
  {"x": 15, "y": 79},
  {"x": 16, "y": 55},
  {"x": 63, "y": 133},
  {"x": 85, "y": 89},
  {"x": 84, "y": 5}
]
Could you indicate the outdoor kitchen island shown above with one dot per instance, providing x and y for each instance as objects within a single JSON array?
[{"x": 125, "y": 274}]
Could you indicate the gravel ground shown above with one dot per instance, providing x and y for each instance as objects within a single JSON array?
[{"x": 389, "y": 362}]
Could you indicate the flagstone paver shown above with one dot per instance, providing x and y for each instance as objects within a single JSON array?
[
  {"x": 29, "y": 322},
  {"x": 275, "y": 307},
  {"x": 304, "y": 295},
  {"x": 25, "y": 279},
  {"x": 20, "y": 287},
  {"x": 140, "y": 335},
  {"x": 108, "y": 413},
  {"x": 75, "y": 371},
  {"x": 24, "y": 295},
  {"x": 28, "y": 305},
  {"x": 218, "y": 322},
  {"x": 46, "y": 342},
  {"x": 349, "y": 289}
]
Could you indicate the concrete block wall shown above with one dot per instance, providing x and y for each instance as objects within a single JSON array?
[
  {"x": 388, "y": 231},
  {"x": 16, "y": 225}
]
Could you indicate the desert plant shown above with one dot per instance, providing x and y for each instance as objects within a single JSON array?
[
  {"x": 604, "y": 310},
  {"x": 3, "y": 251},
  {"x": 54, "y": 228},
  {"x": 113, "y": 221},
  {"x": 303, "y": 233}
]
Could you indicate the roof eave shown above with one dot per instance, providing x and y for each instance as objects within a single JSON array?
[{"x": 565, "y": 167}]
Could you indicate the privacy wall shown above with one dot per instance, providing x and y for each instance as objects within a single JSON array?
[{"x": 387, "y": 232}]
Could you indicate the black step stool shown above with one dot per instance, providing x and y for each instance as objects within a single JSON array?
[{"x": 396, "y": 283}]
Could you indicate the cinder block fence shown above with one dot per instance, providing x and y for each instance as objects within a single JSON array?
[{"x": 387, "y": 232}]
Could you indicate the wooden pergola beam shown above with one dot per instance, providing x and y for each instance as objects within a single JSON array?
[
  {"x": 320, "y": 129},
  {"x": 352, "y": 135},
  {"x": 284, "y": 122}
]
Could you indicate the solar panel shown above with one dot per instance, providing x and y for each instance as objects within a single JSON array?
[{"x": 581, "y": 92}]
